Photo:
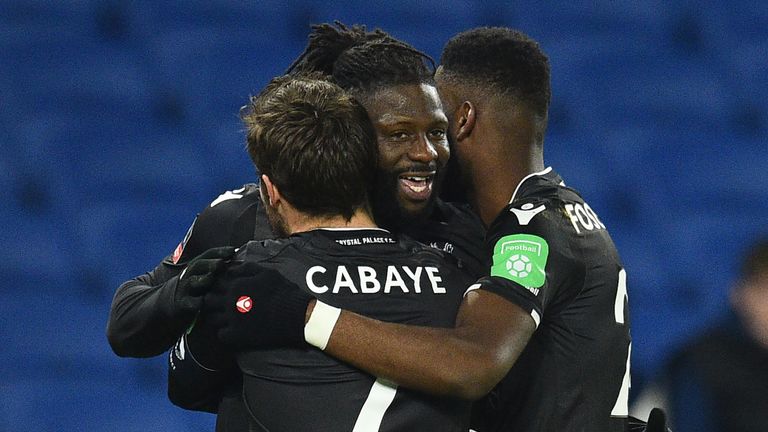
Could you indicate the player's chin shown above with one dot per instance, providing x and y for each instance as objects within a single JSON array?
[{"x": 414, "y": 210}]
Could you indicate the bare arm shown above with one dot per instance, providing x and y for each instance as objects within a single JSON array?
[{"x": 465, "y": 361}]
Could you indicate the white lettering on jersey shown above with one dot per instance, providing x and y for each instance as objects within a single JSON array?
[
  {"x": 228, "y": 195},
  {"x": 583, "y": 216},
  {"x": 343, "y": 280},
  {"x": 317, "y": 289},
  {"x": 394, "y": 280},
  {"x": 415, "y": 277},
  {"x": 435, "y": 279},
  {"x": 366, "y": 281}
]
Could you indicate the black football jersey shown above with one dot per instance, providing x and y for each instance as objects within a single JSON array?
[
  {"x": 454, "y": 228},
  {"x": 370, "y": 272},
  {"x": 553, "y": 257},
  {"x": 141, "y": 318}
]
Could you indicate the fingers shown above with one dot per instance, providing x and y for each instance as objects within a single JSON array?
[
  {"x": 205, "y": 266},
  {"x": 200, "y": 284}
]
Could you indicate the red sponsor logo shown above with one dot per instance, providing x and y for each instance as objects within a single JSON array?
[
  {"x": 180, "y": 248},
  {"x": 244, "y": 304},
  {"x": 177, "y": 252}
]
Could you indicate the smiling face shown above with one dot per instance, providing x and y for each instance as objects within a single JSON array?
[{"x": 411, "y": 130}]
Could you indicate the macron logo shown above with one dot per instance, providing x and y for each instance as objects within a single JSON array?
[{"x": 228, "y": 195}]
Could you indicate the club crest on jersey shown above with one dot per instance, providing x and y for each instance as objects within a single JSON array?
[
  {"x": 521, "y": 258},
  {"x": 180, "y": 248}
]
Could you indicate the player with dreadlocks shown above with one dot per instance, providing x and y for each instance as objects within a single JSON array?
[
  {"x": 393, "y": 82},
  {"x": 547, "y": 325}
]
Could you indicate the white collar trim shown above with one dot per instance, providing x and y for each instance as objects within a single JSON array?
[
  {"x": 353, "y": 229},
  {"x": 540, "y": 173}
]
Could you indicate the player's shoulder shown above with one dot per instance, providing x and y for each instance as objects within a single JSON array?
[
  {"x": 264, "y": 249},
  {"x": 530, "y": 213},
  {"x": 234, "y": 201}
]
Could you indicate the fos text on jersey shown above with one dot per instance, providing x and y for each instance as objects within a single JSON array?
[
  {"x": 366, "y": 280},
  {"x": 583, "y": 216}
]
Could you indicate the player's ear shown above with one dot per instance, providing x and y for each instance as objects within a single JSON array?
[
  {"x": 465, "y": 123},
  {"x": 272, "y": 192}
]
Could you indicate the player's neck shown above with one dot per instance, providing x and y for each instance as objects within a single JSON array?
[
  {"x": 493, "y": 192},
  {"x": 301, "y": 222}
]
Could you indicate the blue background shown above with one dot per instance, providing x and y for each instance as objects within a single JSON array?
[{"x": 118, "y": 123}]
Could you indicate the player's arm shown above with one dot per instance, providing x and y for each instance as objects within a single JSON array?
[
  {"x": 465, "y": 361},
  {"x": 151, "y": 311},
  {"x": 199, "y": 370}
]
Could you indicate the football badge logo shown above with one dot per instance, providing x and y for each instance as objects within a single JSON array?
[
  {"x": 244, "y": 304},
  {"x": 180, "y": 248}
]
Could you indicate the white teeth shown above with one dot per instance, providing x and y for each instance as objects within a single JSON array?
[
  {"x": 418, "y": 179},
  {"x": 418, "y": 188}
]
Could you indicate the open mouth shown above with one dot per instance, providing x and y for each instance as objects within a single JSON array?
[{"x": 416, "y": 186}]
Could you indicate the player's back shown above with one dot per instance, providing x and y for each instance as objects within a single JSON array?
[
  {"x": 573, "y": 374},
  {"x": 372, "y": 273}
]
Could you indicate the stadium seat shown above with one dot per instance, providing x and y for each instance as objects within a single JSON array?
[
  {"x": 407, "y": 20},
  {"x": 120, "y": 240},
  {"x": 54, "y": 404},
  {"x": 214, "y": 71}
]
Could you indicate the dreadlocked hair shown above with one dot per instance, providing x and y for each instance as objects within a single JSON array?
[{"x": 361, "y": 60}]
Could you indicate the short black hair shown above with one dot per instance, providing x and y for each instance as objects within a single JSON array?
[
  {"x": 362, "y": 61},
  {"x": 502, "y": 60},
  {"x": 315, "y": 142}
]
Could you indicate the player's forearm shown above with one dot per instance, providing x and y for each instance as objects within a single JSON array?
[
  {"x": 413, "y": 357},
  {"x": 464, "y": 362},
  {"x": 142, "y": 322}
]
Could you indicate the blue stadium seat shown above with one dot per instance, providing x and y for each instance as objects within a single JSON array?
[
  {"x": 214, "y": 71},
  {"x": 57, "y": 16},
  {"x": 53, "y": 327},
  {"x": 120, "y": 240},
  {"x": 54, "y": 404},
  {"x": 33, "y": 246},
  {"x": 232, "y": 166},
  {"x": 418, "y": 23},
  {"x": 114, "y": 159}
]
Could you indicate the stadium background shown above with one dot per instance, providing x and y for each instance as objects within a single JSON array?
[{"x": 118, "y": 123}]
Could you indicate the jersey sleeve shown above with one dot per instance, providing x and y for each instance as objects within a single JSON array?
[
  {"x": 200, "y": 370},
  {"x": 143, "y": 321},
  {"x": 521, "y": 244}
]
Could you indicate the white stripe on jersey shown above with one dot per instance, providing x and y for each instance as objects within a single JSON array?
[{"x": 379, "y": 399}]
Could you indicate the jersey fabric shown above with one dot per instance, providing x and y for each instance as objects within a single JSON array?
[
  {"x": 143, "y": 323},
  {"x": 367, "y": 271},
  {"x": 552, "y": 256},
  {"x": 454, "y": 228}
]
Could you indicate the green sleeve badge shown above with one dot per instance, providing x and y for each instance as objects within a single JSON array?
[{"x": 521, "y": 258}]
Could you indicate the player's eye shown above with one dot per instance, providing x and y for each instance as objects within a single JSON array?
[
  {"x": 399, "y": 135},
  {"x": 437, "y": 133}
]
